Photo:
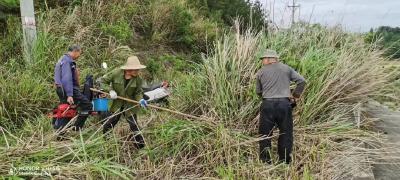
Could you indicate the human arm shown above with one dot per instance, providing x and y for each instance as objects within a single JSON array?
[
  {"x": 300, "y": 83},
  {"x": 66, "y": 78},
  {"x": 105, "y": 84},
  {"x": 139, "y": 94},
  {"x": 258, "y": 86}
]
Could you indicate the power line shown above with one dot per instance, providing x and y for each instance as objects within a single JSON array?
[{"x": 293, "y": 6}]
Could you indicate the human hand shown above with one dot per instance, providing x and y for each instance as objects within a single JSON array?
[
  {"x": 70, "y": 100},
  {"x": 103, "y": 95},
  {"x": 293, "y": 101},
  {"x": 164, "y": 84},
  {"x": 113, "y": 94}
]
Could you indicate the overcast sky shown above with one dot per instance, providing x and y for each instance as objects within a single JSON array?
[{"x": 354, "y": 15}]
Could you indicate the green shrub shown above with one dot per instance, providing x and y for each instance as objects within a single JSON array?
[
  {"x": 225, "y": 11},
  {"x": 158, "y": 66},
  {"x": 170, "y": 23},
  {"x": 11, "y": 40},
  {"x": 154, "y": 67},
  {"x": 9, "y": 3},
  {"x": 176, "y": 63},
  {"x": 174, "y": 24},
  {"x": 183, "y": 20},
  {"x": 205, "y": 32},
  {"x": 121, "y": 30}
]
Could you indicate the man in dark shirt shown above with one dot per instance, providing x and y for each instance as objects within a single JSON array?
[
  {"x": 66, "y": 78},
  {"x": 273, "y": 85}
]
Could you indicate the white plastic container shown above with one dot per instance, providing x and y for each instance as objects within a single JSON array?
[{"x": 157, "y": 94}]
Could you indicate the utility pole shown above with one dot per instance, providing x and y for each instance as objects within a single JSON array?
[
  {"x": 293, "y": 6},
  {"x": 29, "y": 28}
]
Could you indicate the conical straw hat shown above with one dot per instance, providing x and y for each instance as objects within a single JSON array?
[{"x": 133, "y": 63}]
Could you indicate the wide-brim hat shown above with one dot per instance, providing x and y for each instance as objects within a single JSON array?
[
  {"x": 269, "y": 53},
  {"x": 133, "y": 63}
]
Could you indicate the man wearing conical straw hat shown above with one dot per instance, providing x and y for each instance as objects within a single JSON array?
[
  {"x": 273, "y": 85},
  {"x": 125, "y": 82}
]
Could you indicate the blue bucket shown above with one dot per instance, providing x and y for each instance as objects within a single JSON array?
[{"x": 100, "y": 104}]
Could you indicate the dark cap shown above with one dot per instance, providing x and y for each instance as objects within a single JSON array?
[{"x": 74, "y": 47}]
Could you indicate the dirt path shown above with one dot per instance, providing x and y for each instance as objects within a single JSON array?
[{"x": 390, "y": 124}]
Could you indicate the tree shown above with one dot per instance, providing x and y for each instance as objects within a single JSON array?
[
  {"x": 251, "y": 14},
  {"x": 389, "y": 40}
]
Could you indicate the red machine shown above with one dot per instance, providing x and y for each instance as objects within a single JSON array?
[{"x": 64, "y": 111}]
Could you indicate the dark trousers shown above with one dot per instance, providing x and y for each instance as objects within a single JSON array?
[
  {"x": 132, "y": 121},
  {"x": 276, "y": 112},
  {"x": 81, "y": 101}
]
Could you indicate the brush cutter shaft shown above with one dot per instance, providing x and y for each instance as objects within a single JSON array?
[{"x": 152, "y": 106}]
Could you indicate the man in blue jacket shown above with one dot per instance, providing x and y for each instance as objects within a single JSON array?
[{"x": 66, "y": 77}]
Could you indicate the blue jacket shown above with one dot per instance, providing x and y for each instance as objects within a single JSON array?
[{"x": 65, "y": 74}]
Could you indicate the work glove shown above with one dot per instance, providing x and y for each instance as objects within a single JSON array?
[
  {"x": 113, "y": 94},
  {"x": 143, "y": 103}
]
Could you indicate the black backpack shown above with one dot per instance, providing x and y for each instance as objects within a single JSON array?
[{"x": 86, "y": 87}]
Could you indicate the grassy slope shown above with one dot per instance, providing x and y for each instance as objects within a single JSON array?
[{"x": 341, "y": 71}]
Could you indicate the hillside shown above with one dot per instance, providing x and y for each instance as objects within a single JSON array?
[{"x": 211, "y": 60}]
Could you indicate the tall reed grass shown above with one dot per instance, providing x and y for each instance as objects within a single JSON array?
[{"x": 341, "y": 71}]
